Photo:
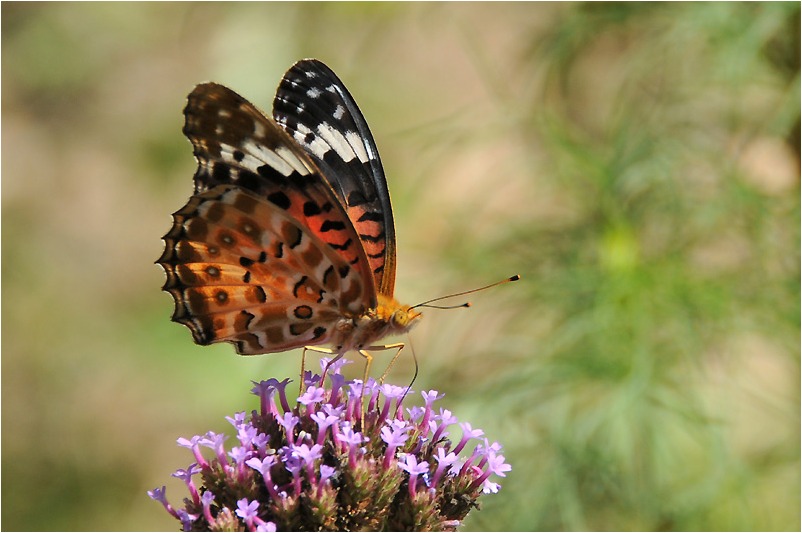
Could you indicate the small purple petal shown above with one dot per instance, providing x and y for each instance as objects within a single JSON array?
[
  {"x": 468, "y": 433},
  {"x": 206, "y": 500},
  {"x": 237, "y": 420},
  {"x": 186, "y": 519},
  {"x": 326, "y": 472},
  {"x": 490, "y": 487},
  {"x": 160, "y": 495},
  {"x": 444, "y": 460},
  {"x": 249, "y": 512},
  {"x": 312, "y": 395},
  {"x": 194, "y": 445}
]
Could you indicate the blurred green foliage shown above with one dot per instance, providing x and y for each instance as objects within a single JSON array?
[{"x": 637, "y": 163}]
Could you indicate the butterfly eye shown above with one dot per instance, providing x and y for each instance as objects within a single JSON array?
[
  {"x": 400, "y": 318},
  {"x": 404, "y": 317}
]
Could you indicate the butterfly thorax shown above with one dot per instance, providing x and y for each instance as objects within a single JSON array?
[{"x": 389, "y": 317}]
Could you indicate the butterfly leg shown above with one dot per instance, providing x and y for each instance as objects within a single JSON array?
[
  {"x": 369, "y": 361},
  {"x": 318, "y": 349},
  {"x": 399, "y": 346}
]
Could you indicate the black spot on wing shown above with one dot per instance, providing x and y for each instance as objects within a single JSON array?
[
  {"x": 332, "y": 225},
  {"x": 280, "y": 199},
  {"x": 329, "y": 272},
  {"x": 344, "y": 246},
  {"x": 298, "y": 285},
  {"x": 247, "y": 180},
  {"x": 271, "y": 174},
  {"x": 372, "y": 238},
  {"x": 259, "y": 292},
  {"x": 371, "y": 216},
  {"x": 221, "y": 172},
  {"x": 311, "y": 209}
]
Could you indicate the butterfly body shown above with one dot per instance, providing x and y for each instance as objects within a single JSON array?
[
  {"x": 388, "y": 318},
  {"x": 288, "y": 241}
]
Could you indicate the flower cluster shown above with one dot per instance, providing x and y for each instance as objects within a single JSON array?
[{"x": 332, "y": 462}]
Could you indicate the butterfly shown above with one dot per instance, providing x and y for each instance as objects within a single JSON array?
[{"x": 289, "y": 239}]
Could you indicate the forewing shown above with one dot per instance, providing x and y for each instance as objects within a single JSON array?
[{"x": 314, "y": 106}]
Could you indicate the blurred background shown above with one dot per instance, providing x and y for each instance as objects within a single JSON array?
[{"x": 637, "y": 164}]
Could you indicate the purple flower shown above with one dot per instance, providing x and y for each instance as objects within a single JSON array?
[
  {"x": 160, "y": 495},
  {"x": 288, "y": 422},
  {"x": 260, "y": 442},
  {"x": 353, "y": 441},
  {"x": 467, "y": 433},
  {"x": 429, "y": 397},
  {"x": 248, "y": 511},
  {"x": 326, "y": 472},
  {"x": 239, "y": 454},
  {"x": 263, "y": 467},
  {"x": 439, "y": 429},
  {"x": 444, "y": 460},
  {"x": 308, "y": 455},
  {"x": 391, "y": 392},
  {"x": 312, "y": 395},
  {"x": 354, "y": 446},
  {"x": 394, "y": 436},
  {"x": 246, "y": 435},
  {"x": 337, "y": 382},
  {"x": 207, "y": 499},
  {"x": 238, "y": 419},
  {"x": 193, "y": 444},
  {"x": 215, "y": 442},
  {"x": 411, "y": 465},
  {"x": 323, "y": 421},
  {"x": 186, "y": 477}
]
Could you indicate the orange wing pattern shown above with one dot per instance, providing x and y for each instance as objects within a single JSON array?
[{"x": 264, "y": 255}]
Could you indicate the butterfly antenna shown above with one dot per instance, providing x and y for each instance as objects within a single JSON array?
[{"x": 516, "y": 277}]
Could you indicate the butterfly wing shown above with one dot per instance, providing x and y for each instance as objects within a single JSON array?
[
  {"x": 314, "y": 106},
  {"x": 263, "y": 255}
]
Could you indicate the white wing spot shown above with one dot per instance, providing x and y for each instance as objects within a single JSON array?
[
  {"x": 224, "y": 113},
  {"x": 269, "y": 157},
  {"x": 314, "y": 92},
  {"x": 337, "y": 141},
  {"x": 317, "y": 146},
  {"x": 259, "y": 129},
  {"x": 248, "y": 161},
  {"x": 355, "y": 140},
  {"x": 339, "y": 112},
  {"x": 292, "y": 159}
]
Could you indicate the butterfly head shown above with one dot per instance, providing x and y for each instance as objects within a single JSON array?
[
  {"x": 404, "y": 318},
  {"x": 399, "y": 318}
]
